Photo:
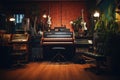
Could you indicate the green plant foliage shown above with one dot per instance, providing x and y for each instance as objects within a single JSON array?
[
  {"x": 108, "y": 30},
  {"x": 107, "y": 22}
]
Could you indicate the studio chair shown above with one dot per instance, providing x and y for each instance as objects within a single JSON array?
[{"x": 58, "y": 54}]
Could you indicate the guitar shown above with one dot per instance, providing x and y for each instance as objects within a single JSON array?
[
  {"x": 49, "y": 20},
  {"x": 83, "y": 23}
]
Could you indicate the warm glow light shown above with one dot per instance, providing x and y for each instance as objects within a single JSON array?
[
  {"x": 44, "y": 16},
  {"x": 12, "y": 19},
  {"x": 90, "y": 41},
  {"x": 96, "y": 14},
  {"x": 40, "y": 32},
  {"x": 117, "y": 15},
  {"x": 71, "y": 22}
]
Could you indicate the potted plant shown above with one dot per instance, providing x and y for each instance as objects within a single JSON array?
[{"x": 109, "y": 34}]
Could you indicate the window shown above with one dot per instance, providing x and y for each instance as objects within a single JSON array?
[{"x": 18, "y": 20}]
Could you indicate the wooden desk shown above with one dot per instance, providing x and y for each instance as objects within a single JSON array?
[{"x": 20, "y": 43}]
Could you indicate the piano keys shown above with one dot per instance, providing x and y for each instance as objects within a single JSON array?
[{"x": 57, "y": 37}]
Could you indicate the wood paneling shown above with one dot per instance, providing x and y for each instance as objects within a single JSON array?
[{"x": 61, "y": 12}]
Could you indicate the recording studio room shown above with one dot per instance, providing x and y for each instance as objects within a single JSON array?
[{"x": 59, "y": 40}]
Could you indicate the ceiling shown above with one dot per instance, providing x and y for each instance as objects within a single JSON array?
[
  {"x": 36, "y": 0},
  {"x": 44, "y": 0}
]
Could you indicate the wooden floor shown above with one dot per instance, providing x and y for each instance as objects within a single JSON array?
[{"x": 53, "y": 71}]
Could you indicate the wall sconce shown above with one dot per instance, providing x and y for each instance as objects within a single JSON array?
[
  {"x": 12, "y": 19},
  {"x": 71, "y": 22},
  {"x": 96, "y": 14},
  {"x": 44, "y": 16}
]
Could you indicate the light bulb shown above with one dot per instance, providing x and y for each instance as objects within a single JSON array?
[
  {"x": 96, "y": 14},
  {"x": 44, "y": 16},
  {"x": 12, "y": 19}
]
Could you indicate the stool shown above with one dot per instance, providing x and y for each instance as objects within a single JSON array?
[{"x": 58, "y": 54}]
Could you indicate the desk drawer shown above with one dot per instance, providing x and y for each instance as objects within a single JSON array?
[{"x": 20, "y": 46}]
